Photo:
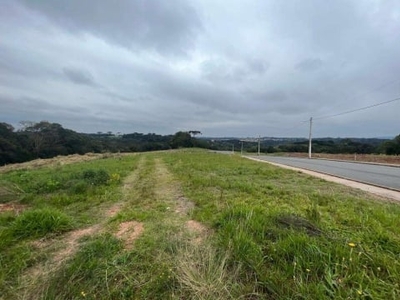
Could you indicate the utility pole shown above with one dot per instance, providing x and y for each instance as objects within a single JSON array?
[
  {"x": 310, "y": 140},
  {"x": 241, "y": 149},
  {"x": 233, "y": 148},
  {"x": 259, "y": 137}
]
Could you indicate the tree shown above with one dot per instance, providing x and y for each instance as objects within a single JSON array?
[
  {"x": 392, "y": 147},
  {"x": 12, "y": 146},
  {"x": 194, "y": 132},
  {"x": 45, "y": 137},
  {"x": 181, "y": 139}
]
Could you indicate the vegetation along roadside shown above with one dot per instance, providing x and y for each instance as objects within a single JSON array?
[{"x": 191, "y": 224}]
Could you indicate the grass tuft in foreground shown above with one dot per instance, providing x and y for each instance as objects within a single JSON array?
[{"x": 39, "y": 222}]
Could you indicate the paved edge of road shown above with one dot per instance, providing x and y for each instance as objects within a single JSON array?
[
  {"x": 354, "y": 161},
  {"x": 390, "y": 193}
]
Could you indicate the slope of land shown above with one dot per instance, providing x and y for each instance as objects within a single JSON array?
[{"x": 192, "y": 225}]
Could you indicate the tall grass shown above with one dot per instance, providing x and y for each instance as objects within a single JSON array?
[
  {"x": 39, "y": 222},
  {"x": 203, "y": 273}
]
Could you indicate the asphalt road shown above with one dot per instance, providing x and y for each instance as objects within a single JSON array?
[{"x": 383, "y": 176}]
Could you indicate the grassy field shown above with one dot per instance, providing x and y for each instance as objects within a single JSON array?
[{"x": 191, "y": 224}]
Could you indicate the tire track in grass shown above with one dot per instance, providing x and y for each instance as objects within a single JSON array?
[
  {"x": 179, "y": 206},
  {"x": 61, "y": 249},
  {"x": 201, "y": 272}
]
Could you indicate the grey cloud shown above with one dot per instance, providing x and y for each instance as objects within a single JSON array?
[
  {"x": 236, "y": 71},
  {"x": 227, "y": 67},
  {"x": 169, "y": 27},
  {"x": 116, "y": 96},
  {"x": 258, "y": 66},
  {"x": 219, "y": 70},
  {"x": 26, "y": 104},
  {"x": 325, "y": 26},
  {"x": 270, "y": 96},
  {"x": 79, "y": 76},
  {"x": 16, "y": 109},
  {"x": 309, "y": 65},
  {"x": 15, "y": 62}
]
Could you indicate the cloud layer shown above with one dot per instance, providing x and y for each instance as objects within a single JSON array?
[{"x": 226, "y": 68}]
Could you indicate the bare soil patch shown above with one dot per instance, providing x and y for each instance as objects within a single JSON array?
[
  {"x": 113, "y": 210},
  {"x": 129, "y": 232},
  {"x": 197, "y": 229},
  {"x": 183, "y": 205},
  {"x": 69, "y": 244},
  {"x": 195, "y": 226},
  {"x": 15, "y": 208}
]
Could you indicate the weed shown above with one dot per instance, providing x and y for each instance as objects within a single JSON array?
[{"x": 313, "y": 213}]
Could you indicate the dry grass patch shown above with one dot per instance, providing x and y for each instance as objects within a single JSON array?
[
  {"x": 183, "y": 205},
  {"x": 203, "y": 273},
  {"x": 59, "y": 161}
]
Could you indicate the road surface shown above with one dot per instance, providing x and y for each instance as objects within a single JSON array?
[{"x": 384, "y": 176}]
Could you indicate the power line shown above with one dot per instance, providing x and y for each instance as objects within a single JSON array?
[
  {"x": 343, "y": 113},
  {"x": 375, "y": 89},
  {"x": 357, "y": 109}
]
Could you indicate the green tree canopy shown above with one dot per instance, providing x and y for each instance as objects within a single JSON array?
[{"x": 181, "y": 139}]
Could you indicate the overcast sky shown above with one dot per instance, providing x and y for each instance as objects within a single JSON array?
[{"x": 226, "y": 68}]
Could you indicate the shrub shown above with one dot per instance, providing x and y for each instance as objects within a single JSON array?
[
  {"x": 96, "y": 177},
  {"x": 78, "y": 187},
  {"x": 48, "y": 186},
  {"x": 39, "y": 222}
]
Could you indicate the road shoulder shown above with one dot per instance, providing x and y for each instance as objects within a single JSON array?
[{"x": 382, "y": 192}]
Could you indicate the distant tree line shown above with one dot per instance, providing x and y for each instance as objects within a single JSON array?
[
  {"x": 325, "y": 145},
  {"x": 45, "y": 140}
]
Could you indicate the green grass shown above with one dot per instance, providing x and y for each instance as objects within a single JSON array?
[
  {"x": 271, "y": 233},
  {"x": 112, "y": 272},
  {"x": 55, "y": 201},
  {"x": 40, "y": 222},
  {"x": 291, "y": 234}
]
